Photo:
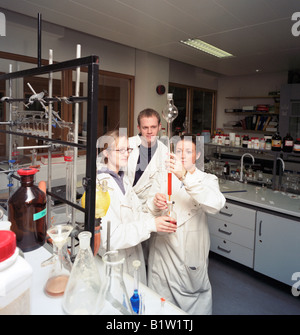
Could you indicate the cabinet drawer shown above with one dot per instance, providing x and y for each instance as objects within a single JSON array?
[
  {"x": 232, "y": 232},
  {"x": 239, "y": 215},
  {"x": 232, "y": 250}
]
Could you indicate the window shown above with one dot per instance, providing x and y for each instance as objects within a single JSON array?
[{"x": 197, "y": 104}]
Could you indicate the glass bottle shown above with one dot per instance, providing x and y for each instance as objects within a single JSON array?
[
  {"x": 135, "y": 298},
  {"x": 287, "y": 143},
  {"x": 226, "y": 169},
  {"x": 27, "y": 212},
  {"x": 276, "y": 142},
  {"x": 115, "y": 291},
  {"x": 84, "y": 283},
  {"x": 62, "y": 266}
]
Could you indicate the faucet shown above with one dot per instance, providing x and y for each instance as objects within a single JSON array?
[
  {"x": 282, "y": 163},
  {"x": 242, "y": 164},
  {"x": 280, "y": 174}
]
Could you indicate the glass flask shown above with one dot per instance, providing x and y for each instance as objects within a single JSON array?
[
  {"x": 84, "y": 283},
  {"x": 172, "y": 214},
  {"x": 61, "y": 263},
  {"x": 115, "y": 291},
  {"x": 135, "y": 298},
  {"x": 27, "y": 212}
]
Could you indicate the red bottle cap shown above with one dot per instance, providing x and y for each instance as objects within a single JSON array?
[
  {"x": 7, "y": 244},
  {"x": 27, "y": 171}
]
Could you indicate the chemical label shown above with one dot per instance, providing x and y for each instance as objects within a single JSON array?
[{"x": 40, "y": 214}]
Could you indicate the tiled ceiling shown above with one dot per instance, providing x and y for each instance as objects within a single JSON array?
[{"x": 257, "y": 32}]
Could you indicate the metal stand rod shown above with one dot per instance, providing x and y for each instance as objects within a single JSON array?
[{"x": 49, "y": 185}]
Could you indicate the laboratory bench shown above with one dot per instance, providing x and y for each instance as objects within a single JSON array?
[
  {"x": 41, "y": 304},
  {"x": 259, "y": 228}
]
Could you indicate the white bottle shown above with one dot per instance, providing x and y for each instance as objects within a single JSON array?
[{"x": 15, "y": 274}]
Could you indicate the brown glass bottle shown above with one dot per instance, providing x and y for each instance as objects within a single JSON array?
[{"x": 27, "y": 212}]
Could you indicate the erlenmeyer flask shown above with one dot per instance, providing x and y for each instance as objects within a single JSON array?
[
  {"x": 115, "y": 292},
  {"x": 61, "y": 268},
  {"x": 84, "y": 283}
]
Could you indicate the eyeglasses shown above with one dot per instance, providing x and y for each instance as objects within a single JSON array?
[{"x": 122, "y": 151}]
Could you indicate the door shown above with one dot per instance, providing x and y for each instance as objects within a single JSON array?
[{"x": 277, "y": 247}]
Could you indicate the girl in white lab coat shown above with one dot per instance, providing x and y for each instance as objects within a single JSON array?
[
  {"x": 129, "y": 224},
  {"x": 178, "y": 262}
]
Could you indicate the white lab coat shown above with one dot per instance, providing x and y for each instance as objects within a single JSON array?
[
  {"x": 129, "y": 225},
  {"x": 155, "y": 166},
  {"x": 178, "y": 262}
]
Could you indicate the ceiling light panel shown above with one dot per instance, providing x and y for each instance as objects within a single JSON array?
[{"x": 208, "y": 48}]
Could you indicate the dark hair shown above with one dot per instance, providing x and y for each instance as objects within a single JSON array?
[
  {"x": 148, "y": 112},
  {"x": 189, "y": 137}
]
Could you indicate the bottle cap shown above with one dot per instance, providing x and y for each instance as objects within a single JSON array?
[
  {"x": 27, "y": 171},
  {"x": 7, "y": 244}
]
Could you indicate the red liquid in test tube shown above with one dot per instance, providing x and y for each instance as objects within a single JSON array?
[{"x": 169, "y": 183}]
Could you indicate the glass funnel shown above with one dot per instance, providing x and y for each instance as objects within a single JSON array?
[
  {"x": 84, "y": 283},
  {"x": 61, "y": 268},
  {"x": 115, "y": 292}
]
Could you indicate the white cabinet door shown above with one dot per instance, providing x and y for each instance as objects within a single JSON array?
[{"x": 277, "y": 247}]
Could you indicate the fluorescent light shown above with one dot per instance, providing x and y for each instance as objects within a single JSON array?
[{"x": 208, "y": 48}]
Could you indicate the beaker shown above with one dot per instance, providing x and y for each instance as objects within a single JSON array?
[
  {"x": 115, "y": 292},
  {"x": 84, "y": 283},
  {"x": 61, "y": 268}
]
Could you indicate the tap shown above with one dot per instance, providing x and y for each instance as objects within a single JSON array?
[
  {"x": 282, "y": 163},
  {"x": 242, "y": 164}
]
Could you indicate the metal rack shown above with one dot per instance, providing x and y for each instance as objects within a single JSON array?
[{"x": 89, "y": 181}]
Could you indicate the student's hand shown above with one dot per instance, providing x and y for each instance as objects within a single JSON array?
[
  {"x": 160, "y": 201},
  {"x": 175, "y": 166},
  {"x": 166, "y": 224}
]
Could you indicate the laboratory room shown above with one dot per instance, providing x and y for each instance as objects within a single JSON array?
[{"x": 150, "y": 160}]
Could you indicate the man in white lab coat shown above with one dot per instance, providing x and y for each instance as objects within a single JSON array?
[
  {"x": 147, "y": 159},
  {"x": 148, "y": 156},
  {"x": 178, "y": 261}
]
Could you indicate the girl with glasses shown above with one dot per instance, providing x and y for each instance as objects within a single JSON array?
[{"x": 129, "y": 224}]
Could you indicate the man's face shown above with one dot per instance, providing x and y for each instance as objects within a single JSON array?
[{"x": 149, "y": 128}]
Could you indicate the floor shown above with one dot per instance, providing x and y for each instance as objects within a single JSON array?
[{"x": 238, "y": 290}]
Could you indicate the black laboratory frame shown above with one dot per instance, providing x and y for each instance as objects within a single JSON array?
[{"x": 89, "y": 181}]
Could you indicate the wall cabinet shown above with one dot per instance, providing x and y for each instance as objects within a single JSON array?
[
  {"x": 277, "y": 247},
  {"x": 232, "y": 233}
]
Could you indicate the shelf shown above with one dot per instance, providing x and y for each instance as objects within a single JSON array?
[
  {"x": 250, "y": 131},
  {"x": 255, "y": 97},
  {"x": 253, "y": 113}
]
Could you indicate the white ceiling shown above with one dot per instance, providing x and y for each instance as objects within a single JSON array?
[{"x": 257, "y": 32}]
